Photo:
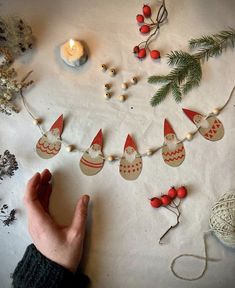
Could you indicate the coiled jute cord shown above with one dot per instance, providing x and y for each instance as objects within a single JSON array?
[{"x": 222, "y": 224}]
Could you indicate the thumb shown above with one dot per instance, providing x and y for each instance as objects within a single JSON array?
[{"x": 80, "y": 214}]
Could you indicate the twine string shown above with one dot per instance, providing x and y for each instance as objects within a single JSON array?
[{"x": 205, "y": 258}]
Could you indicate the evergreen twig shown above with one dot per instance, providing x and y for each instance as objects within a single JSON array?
[{"x": 187, "y": 72}]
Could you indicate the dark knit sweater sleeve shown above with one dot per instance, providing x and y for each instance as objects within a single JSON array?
[{"x": 37, "y": 271}]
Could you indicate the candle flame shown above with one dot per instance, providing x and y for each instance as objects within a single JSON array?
[{"x": 71, "y": 43}]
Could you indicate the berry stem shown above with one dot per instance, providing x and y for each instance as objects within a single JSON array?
[
  {"x": 177, "y": 220},
  {"x": 172, "y": 210},
  {"x": 171, "y": 227},
  {"x": 177, "y": 205},
  {"x": 152, "y": 20}
]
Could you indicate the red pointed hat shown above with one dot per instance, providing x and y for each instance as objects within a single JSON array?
[
  {"x": 167, "y": 128},
  {"x": 190, "y": 114},
  {"x": 98, "y": 139},
  {"x": 130, "y": 143},
  {"x": 59, "y": 123}
]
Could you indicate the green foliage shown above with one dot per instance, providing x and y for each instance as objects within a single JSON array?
[
  {"x": 187, "y": 72},
  {"x": 161, "y": 94}
]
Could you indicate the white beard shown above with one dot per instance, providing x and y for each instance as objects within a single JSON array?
[
  {"x": 171, "y": 144},
  {"x": 93, "y": 154},
  {"x": 130, "y": 157},
  {"x": 51, "y": 138},
  {"x": 203, "y": 124}
]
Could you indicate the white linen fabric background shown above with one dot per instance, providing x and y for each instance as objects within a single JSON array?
[{"x": 122, "y": 247}]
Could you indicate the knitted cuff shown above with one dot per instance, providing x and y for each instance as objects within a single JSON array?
[{"x": 37, "y": 271}]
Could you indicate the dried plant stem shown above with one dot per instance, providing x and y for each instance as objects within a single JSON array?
[{"x": 177, "y": 213}]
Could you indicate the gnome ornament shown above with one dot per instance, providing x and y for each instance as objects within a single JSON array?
[
  {"x": 50, "y": 143},
  {"x": 173, "y": 152},
  {"x": 211, "y": 128},
  {"x": 92, "y": 160},
  {"x": 131, "y": 161}
]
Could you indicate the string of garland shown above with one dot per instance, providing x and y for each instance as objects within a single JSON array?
[
  {"x": 187, "y": 71},
  {"x": 110, "y": 158}
]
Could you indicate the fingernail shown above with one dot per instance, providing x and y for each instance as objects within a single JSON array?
[
  {"x": 36, "y": 175},
  {"x": 85, "y": 199}
]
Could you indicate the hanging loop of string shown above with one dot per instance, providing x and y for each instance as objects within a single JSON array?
[{"x": 204, "y": 258}]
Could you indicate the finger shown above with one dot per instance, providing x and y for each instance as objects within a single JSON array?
[
  {"x": 31, "y": 193},
  {"x": 45, "y": 197},
  {"x": 31, "y": 200},
  {"x": 44, "y": 191},
  {"x": 80, "y": 214},
  {"x": 45, "y": 176}
]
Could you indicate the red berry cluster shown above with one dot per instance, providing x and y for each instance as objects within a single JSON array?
[
  {"x": 165, "y": 200},
  {"x": 168, "y": 201},
  {"x": 141, "y": 50}
]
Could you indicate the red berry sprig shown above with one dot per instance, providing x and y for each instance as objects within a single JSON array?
[
  {"x": 141, "y": 49},
  {"x": 168, "y": 202}
]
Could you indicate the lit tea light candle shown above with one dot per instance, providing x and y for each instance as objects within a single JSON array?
[{"x": 73, "y": 53}]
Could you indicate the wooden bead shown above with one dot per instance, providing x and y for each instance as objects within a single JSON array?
[
  {"x": 149, "y": 152},
  {"x": 134, "y": 80},
  {"x": 110, "y": 158},
  {"x": 69, "y": 148},
  {"x": 36, "y": 121},
  {"x": 103, "y": 67},
  {"x": 107, "y": 95},
  {"x": 189, "y": 136},
  {"x": 122, "y": 98},
  {"x": 107, "y": 86},
  {"x": 216, "y": 111},
  {"x": 112, "y": 72},
  {"x": 124, "y": 86}
]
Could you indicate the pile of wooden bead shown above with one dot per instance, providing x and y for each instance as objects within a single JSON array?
[{"x": 124, "y": 86}]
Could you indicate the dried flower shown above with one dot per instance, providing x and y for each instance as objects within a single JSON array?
[
  {"x": 15, "y": 34},
  {"x": 8, "y": 164},
  {"x": 9, "y": 88},
  {"x": 6, "y": 57},
  {"x": 9, "y": 218}
]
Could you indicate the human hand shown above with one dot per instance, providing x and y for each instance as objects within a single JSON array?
[{"x": 61, "y": 244}]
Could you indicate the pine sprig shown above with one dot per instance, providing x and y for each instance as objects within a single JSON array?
[
  {"x": 158, "y": 79},
  {"x": 161, "y": 94},
  {"x": 187, "y": 72}
]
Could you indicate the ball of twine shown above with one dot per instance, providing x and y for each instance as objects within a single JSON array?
[
  {"x": 222, "y": 219},
  {"x": 222, "y": 224}
]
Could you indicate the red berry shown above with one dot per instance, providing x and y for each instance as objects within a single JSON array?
[
  {"x": 172, "y": 192},
  {"x": 166, "y": 200},
  {"x": 140, "y": 18},
  {"x": 182, "y": 192},
  {"x": 156, "y": 202},
  {"x": 136, "y": 49},
  {"x": 155, "y": 54},
  {"x": 144, "y": 29},
  {"x": 147, "y": 11},
  {"x": 142, "y": 53}
]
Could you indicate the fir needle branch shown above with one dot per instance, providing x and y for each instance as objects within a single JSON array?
[
  {"x": 187, "y": 73},
  {"x": 161, "y": 94},
  {"x": 176, "y": 92},
  {"x": 158, "y": 79}
]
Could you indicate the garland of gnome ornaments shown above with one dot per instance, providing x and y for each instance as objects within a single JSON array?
[{"x": 92, "y": 160}]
